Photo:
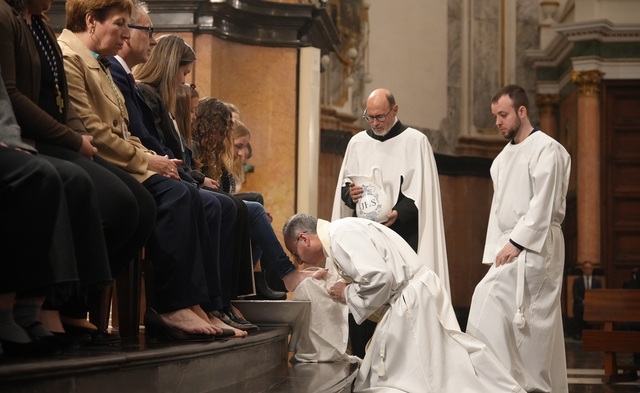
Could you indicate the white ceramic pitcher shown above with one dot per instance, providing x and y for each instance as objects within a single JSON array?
[{"x": 374, "y": 204}]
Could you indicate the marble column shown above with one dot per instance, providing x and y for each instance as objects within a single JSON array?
[
  {"x": 546, "y": 108},
  {"x": 588, "y": 165}
]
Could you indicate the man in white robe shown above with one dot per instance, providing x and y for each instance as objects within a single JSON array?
[
  {"x": 515, "y": 309},
  {"x": 417, "y": 345},
  {"x": 410, "y": 180}
]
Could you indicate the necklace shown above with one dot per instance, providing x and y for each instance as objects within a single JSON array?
[
  {"x": 49, "y": 55},
  {"x": 123, "y": 123}
]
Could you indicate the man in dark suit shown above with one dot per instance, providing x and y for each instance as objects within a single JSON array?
[{"x": 585, "y": 281}]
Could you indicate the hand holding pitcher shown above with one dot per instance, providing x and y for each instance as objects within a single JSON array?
[{"x": 368, "y": 193}]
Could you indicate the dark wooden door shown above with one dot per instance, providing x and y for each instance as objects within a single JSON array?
[{"x": 620, "y": 179}]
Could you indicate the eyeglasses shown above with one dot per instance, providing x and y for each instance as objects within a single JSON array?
[
  {"x": 380, "y": 118},
  {"x": 150, "y": 29}
]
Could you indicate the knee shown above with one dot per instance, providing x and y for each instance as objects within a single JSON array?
[
  {"x": 211, "y": 204},
  {"x": 256, "y": 212},
  {"x": 228, "y": 207},
  {"x": 76, "y": 181}
]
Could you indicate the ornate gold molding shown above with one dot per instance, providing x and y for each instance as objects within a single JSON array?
[
  {"x": 588, "y": 82},
  {"x": 546, "y": 103}
]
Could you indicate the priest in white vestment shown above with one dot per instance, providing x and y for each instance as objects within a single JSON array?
[
  {"x": 410, "y": 180},
  {"x": 515, "y": 309},
  {"x": 417, "y": 345}
]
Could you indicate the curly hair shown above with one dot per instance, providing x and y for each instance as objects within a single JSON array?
[{"x": 211, "y": 131}]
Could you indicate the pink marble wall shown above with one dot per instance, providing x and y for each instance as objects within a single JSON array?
[{"x": 262, "y": 83}]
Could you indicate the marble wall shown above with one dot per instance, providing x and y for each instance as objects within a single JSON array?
[
  {"x": 262, "y": 83},
  {"x": 408, "y": 55},
  {"x": 444, "y": 62},
  {"x": 486, "y": 64}
]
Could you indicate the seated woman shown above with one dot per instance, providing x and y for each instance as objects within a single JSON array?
[
  {"x": 37, "y": 250},
  {"x": 212, "y": 132},
  {"x": 37, "y": 87},
  {"x": 257, "y": 218},
  {"x": 179, "y": 246},
  {"x": 155, "y": 126}
]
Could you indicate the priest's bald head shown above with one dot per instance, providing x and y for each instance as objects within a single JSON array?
[{"x": 381, "y": 111}]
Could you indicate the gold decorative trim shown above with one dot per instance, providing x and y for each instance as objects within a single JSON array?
[
  {"x": 588, "y": 82},
  {"x": 503, "y": 44},
  {"x": 546, "y": 103}
]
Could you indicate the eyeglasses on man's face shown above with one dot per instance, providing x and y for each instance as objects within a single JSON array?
[
  {"x": 149, "y": 29},
  {"x": 371, "y": 118},
  {"x": 295, "y": 249}
]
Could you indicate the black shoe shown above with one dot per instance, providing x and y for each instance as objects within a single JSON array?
[
  {"x": 56, "y": 342},
  {"x": 224, "y": 317},
  {"x": 156, "y": 327},
  {"x": 226, "y": 333},
  {"x": 263, "y": 292},
  {"x": 96, "y": 337},
  {"x": 104, "y": 338},
  {"x": 66, "y": 341},
  {"x": 239, "y": 320}
]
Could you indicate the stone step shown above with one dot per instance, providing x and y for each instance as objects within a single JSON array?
[{"x": 257, "y": 363}]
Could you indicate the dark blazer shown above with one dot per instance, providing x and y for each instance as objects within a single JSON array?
[
  {"x": 142, "y": 118},
  {"x": 579, "y": 287},
  {"x": 21, "y": 71},
  {"x": 140, "y": 114},
  {"x": 162, "y": 122}
]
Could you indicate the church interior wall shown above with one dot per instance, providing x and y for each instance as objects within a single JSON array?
[
  {"x": 408, "y": 55},
  {"x": 443, "y": 61},
  {"x": 262, "y": 83},
  {"x": 617, "y": 11}
]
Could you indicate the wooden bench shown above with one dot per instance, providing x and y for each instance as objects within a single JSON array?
[
  {"x": 569, "y": 291},
  {"x": 607, "y": 308}
]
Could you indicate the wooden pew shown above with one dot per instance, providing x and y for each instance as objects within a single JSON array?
[{"x": 606, "y": 309}]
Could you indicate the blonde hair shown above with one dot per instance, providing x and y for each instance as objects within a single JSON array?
[
  {"x": 77, "y": 10},
  {"x": 161, "y": 70},
  {"x": 183, "y": 111},
  {"x": 237, "y": 166}
]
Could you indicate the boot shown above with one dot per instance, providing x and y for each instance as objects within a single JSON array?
[{"x": 263, "y": 292}]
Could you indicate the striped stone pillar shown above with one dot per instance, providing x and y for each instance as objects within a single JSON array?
[{"x": 588, "y": 165}]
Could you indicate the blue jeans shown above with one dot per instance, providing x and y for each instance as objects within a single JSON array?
[{"x": 265, "y": 243}]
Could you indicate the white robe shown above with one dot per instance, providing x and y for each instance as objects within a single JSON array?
[
  {"x": 530, "y": 182},
  {"x": 417, "y": 345},
  {"x": 322, "y": 334},
  {"x": 408, "y": 155}
]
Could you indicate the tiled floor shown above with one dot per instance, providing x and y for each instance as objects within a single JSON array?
[{"x": 584, "y": 370}]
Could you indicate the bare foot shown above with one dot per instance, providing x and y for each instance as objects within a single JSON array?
[
  {"x": 203, "y": 315},
  {"x": 51, "y": 320},
  {"x": 215, "y": 321},
  {"x": 77, "y": 322},
  {"x": 188, "y": 321}
]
